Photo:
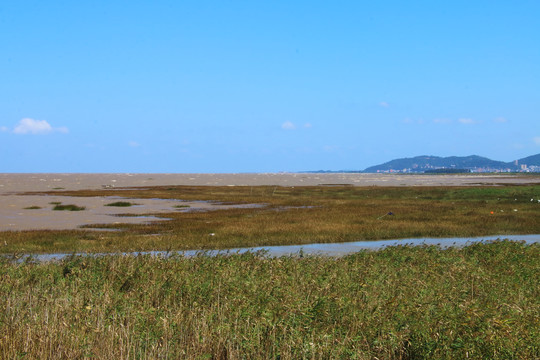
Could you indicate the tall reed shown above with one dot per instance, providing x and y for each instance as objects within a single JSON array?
[{"x": 479, "y": 302}]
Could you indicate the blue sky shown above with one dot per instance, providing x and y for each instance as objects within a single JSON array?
[{"x": 267, "y": 86}]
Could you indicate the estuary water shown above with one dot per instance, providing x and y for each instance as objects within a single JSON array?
[{"x": 324, "y": 249}]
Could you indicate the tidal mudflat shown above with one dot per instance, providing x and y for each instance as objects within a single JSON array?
[
  {"x": 14, "y": 183},
  {"x": 44, "y": 212},
  {"x": 123, "y": 213},
  {"x": 21, "y": 211}
]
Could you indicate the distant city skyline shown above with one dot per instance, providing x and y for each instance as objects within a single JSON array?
[{"x": 218, "y": 87}]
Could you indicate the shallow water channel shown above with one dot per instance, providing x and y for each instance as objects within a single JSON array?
[{"x": 326, "y": 249}]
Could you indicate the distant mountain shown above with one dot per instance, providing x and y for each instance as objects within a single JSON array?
[
  {"x": 473, "y": 163},
  {"x": 533, "y": 160}
]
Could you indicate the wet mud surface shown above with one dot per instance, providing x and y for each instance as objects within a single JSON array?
[{"x": 19, "y": 211}]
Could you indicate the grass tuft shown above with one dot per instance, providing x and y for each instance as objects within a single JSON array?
[
  {"x": 69, "y": 207},
  {"x": 120, "y": 204}
]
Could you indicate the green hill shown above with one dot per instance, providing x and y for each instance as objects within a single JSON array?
[
  {"x": 533, "y": 160},
  {"x": 428, "y": 163}
]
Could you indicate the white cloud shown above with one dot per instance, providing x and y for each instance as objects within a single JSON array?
[
  {"x": 134, "y": 144},
  {"x": 466, "y": 121},
  {"x": 307, "y": 125},
  {"x": 500, "y": 120},
  {"x": 536, "y": 140},
  {"x": 3, "y": 129},
  {"x": 384, "y": 104},
  {"x": 31, "y": 126},
  {"x": 287, "y": 125}
]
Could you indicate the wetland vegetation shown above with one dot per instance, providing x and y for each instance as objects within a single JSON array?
[
  {"x": 479, "y": 302},
  {"x": 120, "y": 204},
  {"x": 33, "y": 207},
  {"x": 296, "y": 215},
  {"x": 69, "y": 207}
]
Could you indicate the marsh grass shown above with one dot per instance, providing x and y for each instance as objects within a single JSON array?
[
  {"x": 33, "y": 207},
  {"x": 181, "y": 206},
  {"x": 69, "y": 207},
  {"x": 300, "y": 215},
  {"x": 479, "y": 302},
  {"x": 121, "y": 204}
]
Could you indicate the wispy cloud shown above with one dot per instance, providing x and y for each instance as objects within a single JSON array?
[
  {"x": 413, "y": 121},
  {"x": 442, "y": 121},
  {"x": 307, "y": 125},
  {"x": 134, "y": 144},
  {"x": 536, "y": 140},
  {"x": 466, "y": 121},
  {"x": 500, "y": 120},
  {"x": 31, "y": 126},
  {"x": 287, "y": 125},
  {"x": 384, "y": 104},
  {"x": 4, "y": 129}
]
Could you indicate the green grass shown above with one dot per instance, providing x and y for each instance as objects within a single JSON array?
[
  {"x": 69, "y": 207},
  {"x": 33, "y": 207},
  {"x": 300, "y": 215},
  {"x": 121, "y": 204},
  {"x": 480, "y": 302}
]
